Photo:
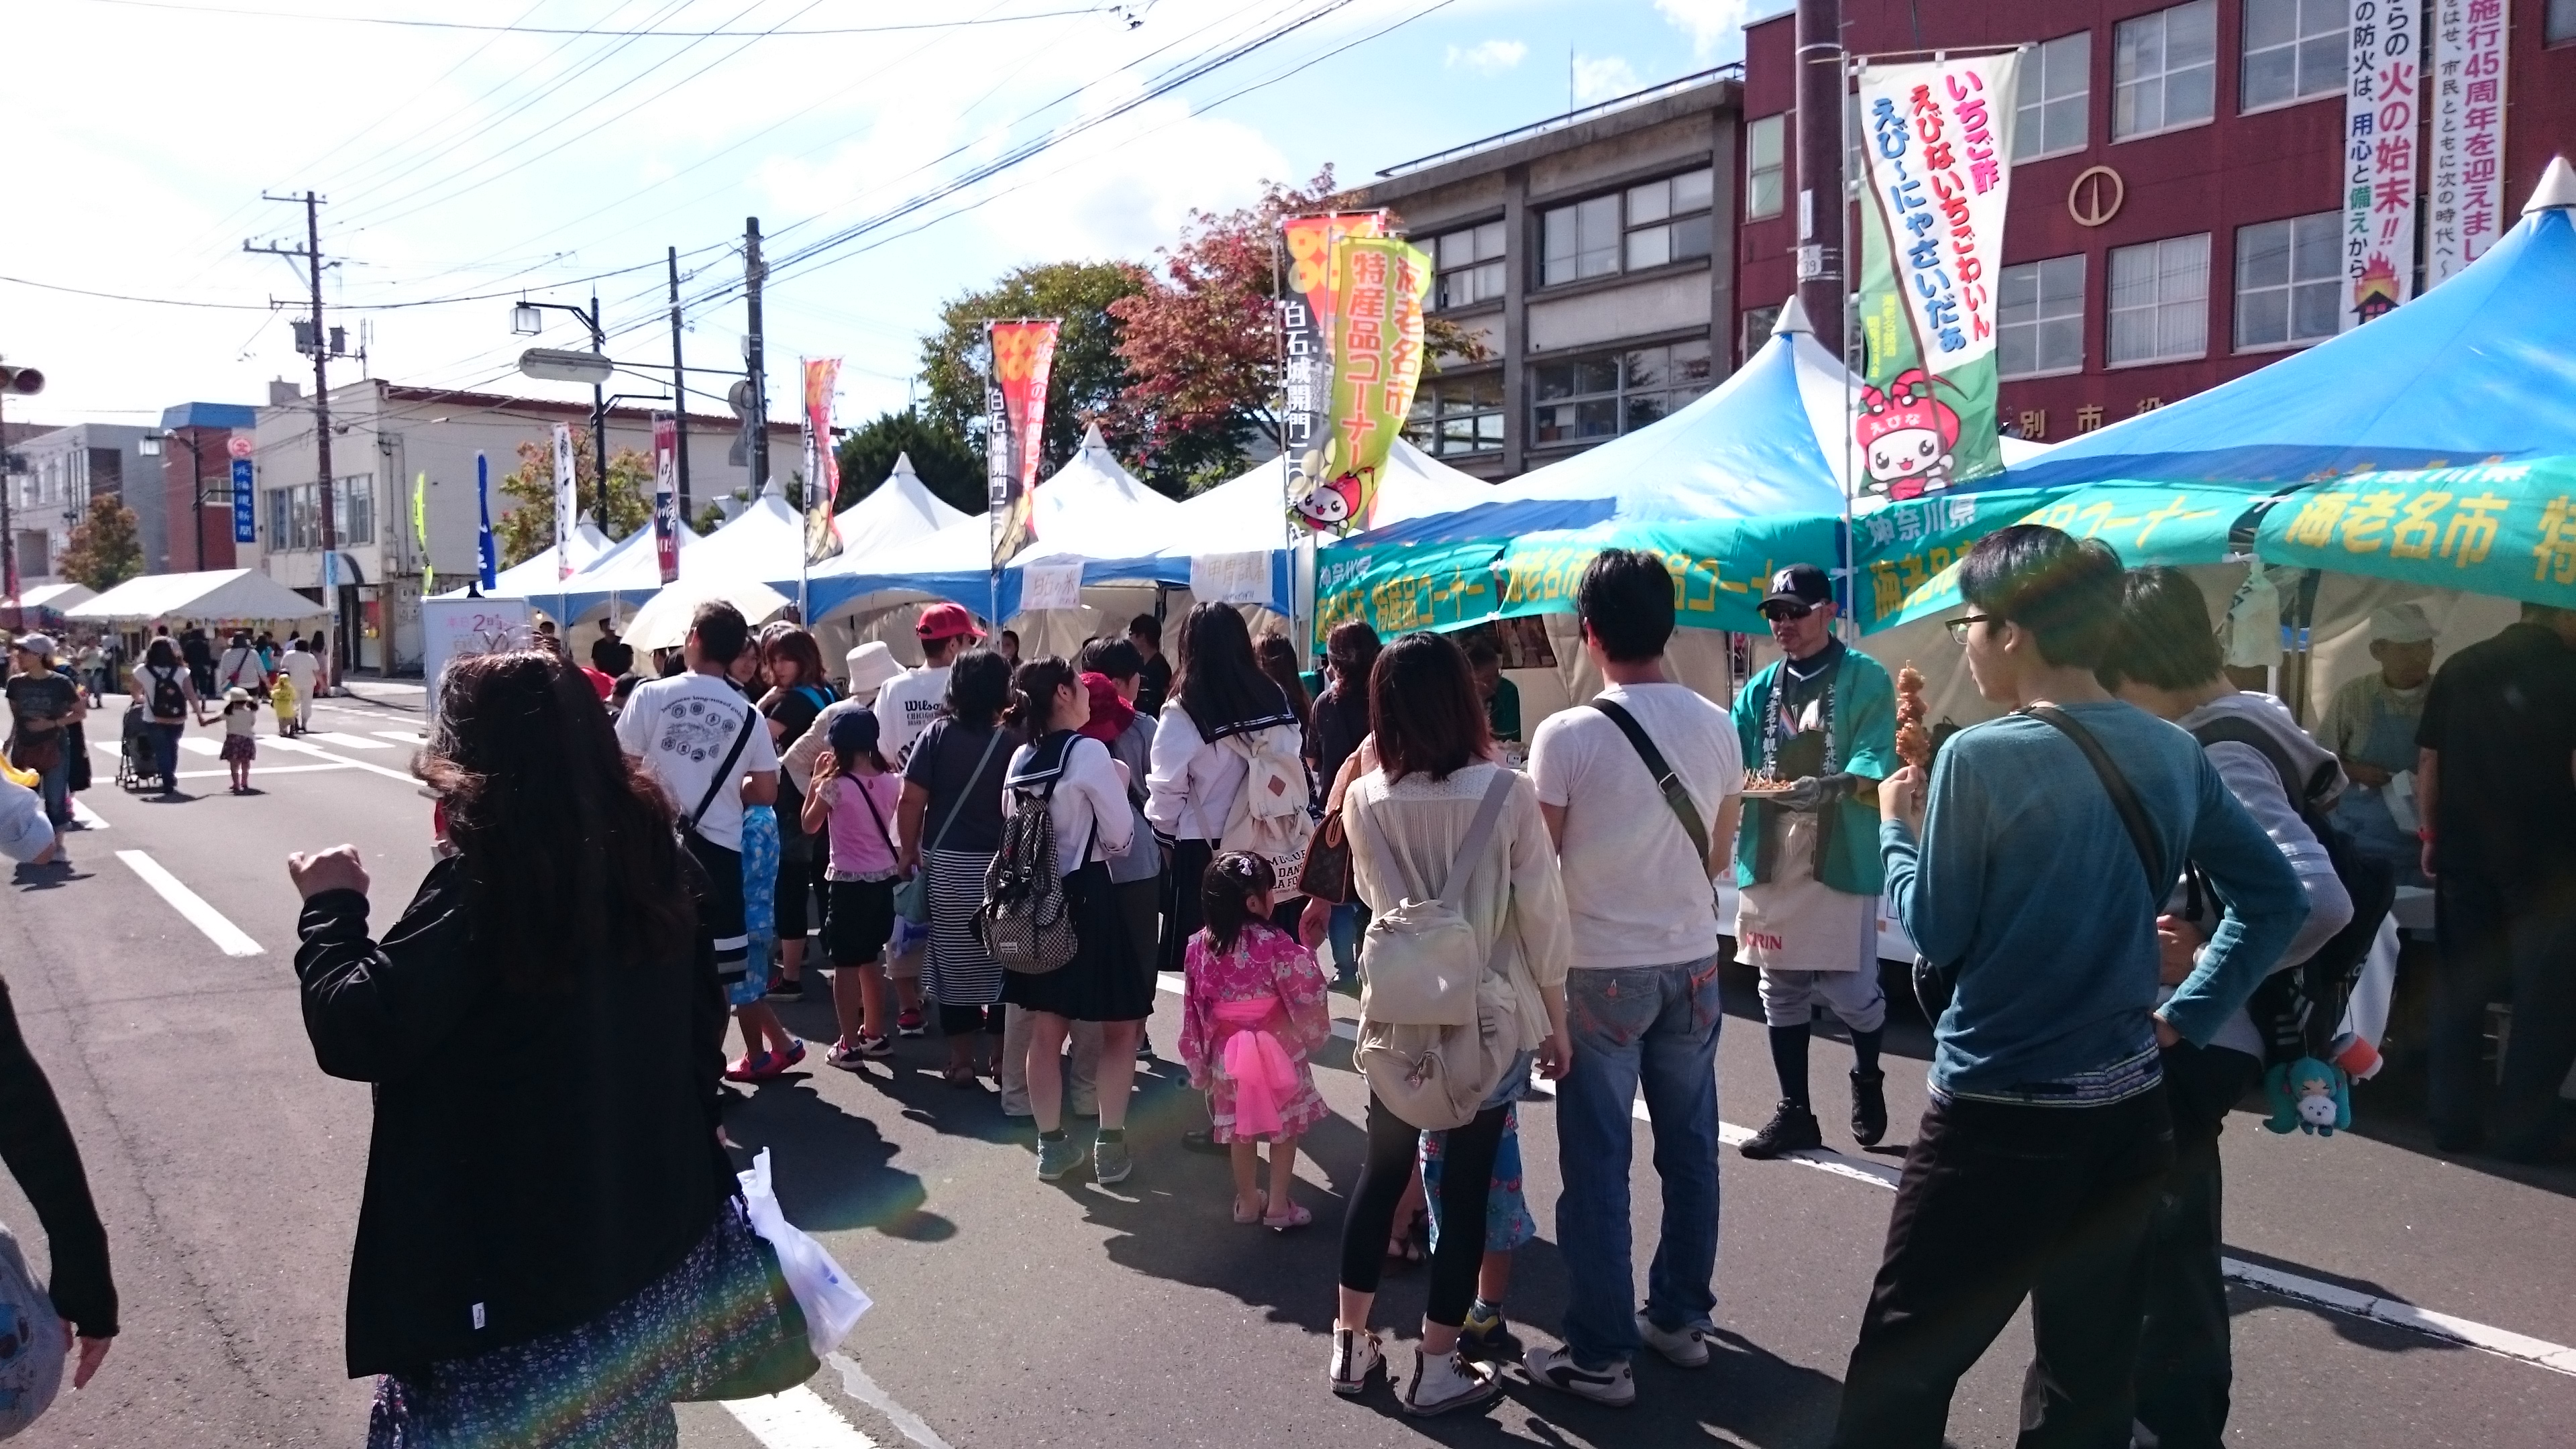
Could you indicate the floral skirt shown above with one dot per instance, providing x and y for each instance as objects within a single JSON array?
[
  {"x": 605, "y": 1384},
  {"x": 240, "y": 748},
  {"x": 1507, "y": 1216}
]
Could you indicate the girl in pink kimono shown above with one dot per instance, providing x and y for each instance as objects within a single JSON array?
[{"x": 1252, "y": 1011}]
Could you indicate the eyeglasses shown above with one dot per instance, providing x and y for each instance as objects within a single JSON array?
[
  {"x": 1959, "y": 627},
  {"x": 1780, "y": 609}
]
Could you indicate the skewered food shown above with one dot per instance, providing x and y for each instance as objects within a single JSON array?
[{"x": 1913, "y": 741}]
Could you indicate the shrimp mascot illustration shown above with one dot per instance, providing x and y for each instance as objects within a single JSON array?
[{"x": 1906, "y": 436}]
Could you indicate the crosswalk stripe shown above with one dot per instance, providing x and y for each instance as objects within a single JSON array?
[
  {"x": 231, "y": 939},
  {"x": 199, "y": 745},
  {"x": 348, "y": 741},
  {"x": 87, "y": 817},
  {"x": 408, "y": 737},
  {"x": 797, "y": 1419}
]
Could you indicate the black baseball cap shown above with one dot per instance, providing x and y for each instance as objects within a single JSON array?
[{"x": 1800, "y": 584}]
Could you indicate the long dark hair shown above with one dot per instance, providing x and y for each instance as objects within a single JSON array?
[
  {"x": 1033, "y": 689},
  {"x": 565, "y": 843},
  {"x": 1225, "y": 895},
  {"x": 1278, "y": 660},
  {"x": 792, "y": 643},
  {"x": 1218, "y": 681},
  {"x": 162, "y": 654},
  {"x": 979, "y": 688},
  {"x": 1424, "y": 710},
  {"x": 1352, "y": 649}
]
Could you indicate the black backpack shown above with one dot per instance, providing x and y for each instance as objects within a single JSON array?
[
  {"x": 2298, "y": 1009},
  {"x": 167, "y": 697}
]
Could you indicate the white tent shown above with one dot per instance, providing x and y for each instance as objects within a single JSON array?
[
  {"x": 1092, "y": 508},
  {"x": 764, "y": 541},
  {"x": 538, "y": 570},
  {"x": 900, "y": 510},
  {"x": 630, "y": 570},
  {"x": 1251, "y": 512},
  {"x": 57, "y": 597},
  {"x": 222, "y": 595}
]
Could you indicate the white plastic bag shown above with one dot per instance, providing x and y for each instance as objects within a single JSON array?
[{"x": 832, "y": 1303}]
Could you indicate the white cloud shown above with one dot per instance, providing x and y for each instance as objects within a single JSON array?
[
  {"x": 1488, "y": 57},
  {"x": 1715, "y": 26},
  {"x": 1598, "y": 78}
]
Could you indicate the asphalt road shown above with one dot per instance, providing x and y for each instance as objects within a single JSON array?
[{"x": 1010, "y": 1313}]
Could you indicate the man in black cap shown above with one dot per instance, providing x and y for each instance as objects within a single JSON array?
[{"x": 1819, "y": 727}]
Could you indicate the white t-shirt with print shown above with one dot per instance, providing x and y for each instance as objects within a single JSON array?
[
  {"x": 905, "y": 707},
  {"x": 1636, "y": 895},
  {"x": 682, "y": 728}
]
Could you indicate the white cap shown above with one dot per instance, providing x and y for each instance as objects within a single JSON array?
[{"x": 2400, "y": 624}]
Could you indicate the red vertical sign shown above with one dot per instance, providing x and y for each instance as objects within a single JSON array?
[
  {"x": 1015, "y": 421},
  {"x": 666, "y": 496}
]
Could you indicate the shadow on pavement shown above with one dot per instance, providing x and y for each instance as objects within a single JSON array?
[
  {"x": 832, "y": 1171},
  {"x": 2368, "y": 1333}
]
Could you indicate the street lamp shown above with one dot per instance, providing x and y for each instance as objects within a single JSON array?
[
  {"x": 526, "y": 321},
  {"x": 550, "y": 363}
]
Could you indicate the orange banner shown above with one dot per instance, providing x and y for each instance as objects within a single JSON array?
[{"x": 1015, "y": 422}]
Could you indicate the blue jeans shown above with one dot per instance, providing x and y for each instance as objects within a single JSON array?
[
  {"x": 56, "y": 785},
  {"x": 165, "y": 752},
  {"x": 1349, "y": 919},
  {"x": 1655, "y": 1028}
]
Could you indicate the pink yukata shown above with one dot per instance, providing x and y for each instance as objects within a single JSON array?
[{"x": 1249, "y": 1019}]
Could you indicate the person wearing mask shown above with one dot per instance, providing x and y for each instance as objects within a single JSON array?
[
  {"x": 167, "y": 694},
  {"x": 2495, "y": 782},
  {"x": 907, "y": 704},
  {"x": 609, "y": 654},
  {"x": 299, "y": 665},
  {"x": 2370, "y": 726},
  {"x": 44, "y": 704},
  {"x": 697, "y": 737},
  {"x": 1502, "y": 697},
  {"x": 1338, "y": 722},
  {"x": 1145, "y": 631},
  {"x": 2165, "y": 659},
  {"x": 1643, "y": 994},
  {"x": 548, "y": 1233},
  {"x": 951, "y": 827},
  {"x": 796, "y": 698},
  {"x": 1821, "y": 720},
  {"x": 1085, "y": 791},
  {"x": 2036, "y": 1169},
  {"x": 241, "y": 667},
  {"x": 1411, "y": 818}
]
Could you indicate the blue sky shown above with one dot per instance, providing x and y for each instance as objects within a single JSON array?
[{"x": 461, "y": 162}]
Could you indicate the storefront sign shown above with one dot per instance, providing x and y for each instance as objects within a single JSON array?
[
  {"x": 245, "y": 510},
  {"x": 2467, "y": 101}
]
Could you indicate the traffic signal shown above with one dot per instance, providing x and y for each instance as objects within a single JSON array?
[{"x": 21, "y": 379}]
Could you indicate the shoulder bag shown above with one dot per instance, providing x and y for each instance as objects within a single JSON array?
[
  {"x": 912, "y": 894},
  {"x": 724, "y": 772},
  {"x": 1668, "y": 782}
]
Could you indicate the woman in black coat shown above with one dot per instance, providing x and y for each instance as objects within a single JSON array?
[{"x": 547, "y": 1251}]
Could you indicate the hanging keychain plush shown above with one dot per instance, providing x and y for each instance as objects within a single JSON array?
[{"x": 2308, "y": 1096}]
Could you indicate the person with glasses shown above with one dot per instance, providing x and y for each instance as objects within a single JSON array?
[{"x": 1821, "y": 723}]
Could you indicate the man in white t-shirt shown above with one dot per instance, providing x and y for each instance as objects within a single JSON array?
[
  {"x": 910, "y": 701},
  {"x": 685, "y": 730},
  {"x": 1642, "y": 999},
  {"x": 299, "y": 665}
]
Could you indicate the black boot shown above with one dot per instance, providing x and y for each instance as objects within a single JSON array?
[
  {"x": 1869, "y": 1107},
  {"x": 1792, "y": 1128}
]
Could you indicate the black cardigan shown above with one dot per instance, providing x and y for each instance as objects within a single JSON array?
[
  {"x": 37, "y": 1145},
  {"x": 535, "y": 1159}
]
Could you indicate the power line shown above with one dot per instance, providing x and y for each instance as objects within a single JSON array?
[
  {"x": 338, "y": 306},
  {"x": 641, "y": 34}
]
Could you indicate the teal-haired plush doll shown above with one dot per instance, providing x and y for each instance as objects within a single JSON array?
[{"x": 2308, "y": 1096}]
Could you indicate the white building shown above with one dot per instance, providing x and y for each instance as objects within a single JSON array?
[{"x": 62, "y": 471}]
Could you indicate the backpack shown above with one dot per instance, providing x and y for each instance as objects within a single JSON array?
[
  {"x": 1026, "y": 923},
  {"x": 2298, "y": 1009},
  {"x": 1270, "y": 818},
  {"x": 168, "y": 698},
  {"x": 1438, "y": 1024}
]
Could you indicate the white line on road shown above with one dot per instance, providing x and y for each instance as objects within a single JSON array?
[
  {"x": 408, "y": 737},
  {"x": 348, "y": 741},
  {"x": 299, "y": 747},
  {"x": 199, "y": 745},
  {"x": 797, "y": 1419},
  {"x": 856, "y": 1383},
  {"x": 264, "y": 771},
  {"x": 87, "y": 817},
  {"x": 231, "y": 939}
]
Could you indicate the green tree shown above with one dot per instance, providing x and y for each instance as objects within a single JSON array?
[
  {"x": 949, "y": 467},
  {"x": 1088, "y": 375},
  {"x": 529, "y": 527},
  {"x": 106, "y": 546}
]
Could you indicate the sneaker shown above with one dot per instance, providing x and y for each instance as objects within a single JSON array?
[
  {"x": 1556, "y": 1368},
  {"x": 1792, "y": 1128},
  {"x": 787, "y": 988},
  {"x": 1683, "y": 1347},
  {"x": 1869, "y": 1107},
  {"x": 1110, "y": 1162},
  {"x": 1449, "y": 1381},
  {"x": 1057, "y": 1158},
  {"x": 1489, "y": 1339},
  {"x": 1356, "y": 1355},
  {"x": 910, "y": 1023}
]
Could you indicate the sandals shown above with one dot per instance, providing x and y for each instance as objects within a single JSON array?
[
  {"x": 1297, "y": 1216},
  {"x": 1245, "y": 1219},
  {"x": 960, "y": 1077},
  {"x": 762, "y": 1065}
]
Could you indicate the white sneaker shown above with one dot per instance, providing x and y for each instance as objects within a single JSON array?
[
  {"x": 1683, "y": 1347},
  {"x": 1442, "y": 1382},
  {"x": 1555, "y": 1367},
  {"x": 1356, "y": 1355}
]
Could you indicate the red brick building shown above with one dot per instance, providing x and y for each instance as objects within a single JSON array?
[
  {"x": 2185, "y": 158},
  {"x": 196, "y": 482}
]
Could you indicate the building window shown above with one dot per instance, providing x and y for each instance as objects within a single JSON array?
[
  {"x": 2160, "y": 300},
  {"x": 1616, "y": 392},
  {"x": 1763, "y": 165},
  {"x": 1458, "y": 415},
  {"x": 295, "y": 514},
  {"x": 2288, "y": 276},
  {"x": 2294, "y": 49},
  {"x": 1582, "y": 241},
  {"x": 1758, "y": 322},
  {"x": 2164, "y": 70},
  {"x": 1645, "y": 226},
  {"x": 1468, "y": 266},
  {"x": 2050, "y": 100},
  {"x": 2039, "y": 318},
  {"x": 2558, "y": 22}
]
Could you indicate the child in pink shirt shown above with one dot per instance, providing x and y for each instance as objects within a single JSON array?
[
  {"x": 1252, "y": 1010},
  {"x": 853, "y": 797}
]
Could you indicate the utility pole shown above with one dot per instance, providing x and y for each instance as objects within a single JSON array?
[
  {"x": 311, "y": 255},
  {"x": 1821, "y": 201},
  {"x": 754, "y": 272},
  {"x": 679, "y": 388},
  {"x": 599, "y": 416}
]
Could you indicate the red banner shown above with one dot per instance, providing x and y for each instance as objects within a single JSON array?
[
  {"x": 666, "y": 495},
  {"x": 1306, "y": 315},
  {"x": 822, "y": 465},
  {"x": 1015, "y": 422}
]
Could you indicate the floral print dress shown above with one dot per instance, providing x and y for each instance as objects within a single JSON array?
[{"x": 1266, "y": 986}]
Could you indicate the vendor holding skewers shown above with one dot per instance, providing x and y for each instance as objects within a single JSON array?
[{"x": 1821, "y": 722}]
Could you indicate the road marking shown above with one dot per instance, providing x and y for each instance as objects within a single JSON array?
[
  {"x": 87, "y": 817},
  {"x": 199, "y": 745},
  {"x": 797, "y": 1419},
  {"x": 299, "y": 747},
  {"x": 856, "y": 1383},
  {"x": 230, "y": 938},
  {"x": 408, "y": 737},
  {"x": 2503, "y": 1342},
  {"x": 349, "y": 741},
  {"x": 264, "y": 771}
]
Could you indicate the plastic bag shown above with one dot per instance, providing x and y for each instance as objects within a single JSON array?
[
  {"x": 31, "y": 1343},
  {"x": 832, "y": 1303}
]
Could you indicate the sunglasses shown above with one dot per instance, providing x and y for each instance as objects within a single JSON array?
[
  {"x": 1782, "y": 609},
  {"x": 1959, "y": 627}
]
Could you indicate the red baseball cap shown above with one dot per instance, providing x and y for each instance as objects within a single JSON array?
[{"x": 946, "y": 621}]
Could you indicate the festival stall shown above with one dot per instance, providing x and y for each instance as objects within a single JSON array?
[
  {"x": 42, "y": 606},
  {"x": 542, "y": 570},
  {"x": 217, "y": 596}
]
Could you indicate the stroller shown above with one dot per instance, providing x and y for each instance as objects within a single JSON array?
[{"x": 135, "y": 767}]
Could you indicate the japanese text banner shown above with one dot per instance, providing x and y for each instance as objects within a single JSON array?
[
  {"x": 2464, "y": 93},
  {"x": 1015, "y": 421},
  {"x": 1396, "y": 588},
  {"x": 1718, "y": 565},
  {"x": 2383, "y": 56},
  {"x": 1312, "y": 301},
  {"x": 1377, "y": 360},
  {"x": 1908, "y": 553},
  {"x": 2507, "y": 529},
  {"x": 822, "y": 465},
  {"x": 567, "y": 500},
  {"x": 666, "y": 505},
  {"x": 1937, "y": 143}
]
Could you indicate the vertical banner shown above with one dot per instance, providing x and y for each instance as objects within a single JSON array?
[
  {"x": 1376, "y": 359},
  {"x": 2467, "y": 99},
  {"x": 420, "y": 533},
  {"x": 245, "y": 510},
  {"x": 666, "y": 495},
  {"x": 1937, "y": 140},
  {"x": 1310, "y": 302},
  {"x": 487, "y": 557},
  {"x": 822, "y": 465},
  {"x": 2383, "y": 88},
  {"x": 1015, "y": 422},
  {"x": 567, "y": 501}
]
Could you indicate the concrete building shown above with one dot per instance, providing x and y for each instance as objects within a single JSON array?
[
  {"x": 197, "y": 483},
  {"x": 59, "y": 472},
  {"x": 386, "y": 437},
  {"x": 1594, "y": 255}
]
